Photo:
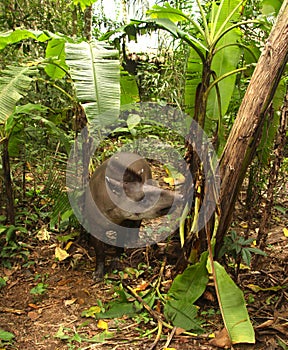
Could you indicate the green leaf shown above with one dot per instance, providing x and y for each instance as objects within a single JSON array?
[
  {"x": 224, "y": 61},
  {"x": 132, "y": 121},
  {"x": 67, "y": 214},
  {"x": 10, "y": 233},
  {"x": 83, "y": 3},
  {"x": 14, "y": 84},
  {"x": 166, "y": 11},
  {"x": 246, "y": 256},
  {"x": 77, "y": 338},
  {"x": 118, "y": 309},
  {"x": 178, "y": 33},
  {"x": 129, "y": 89},
  {"x": 2, "y": 283},
  {"x": 94, "y": 68},
  {"x": 193, "y": 80},
  {"x": 56, "y": 49},
  {"x": 271, "y": 7},
  {"x": 15, "y": 118},
  {"x": 257, "y": 251},
  {"x": 183, "y": 314},
  {"x": 281, "y": 209},
  {"x": 15, "y": 36},
  {"x": 61, "y": 205},
  {"x": 91, "y": 312},
  {"x": 39, "y": 289},
  {"x": 192, "y": 283},
  {"x": 50, "y": 125},
  {"x": 233, "y": 308},
  {"x": 6, "y": 336},
  {"x": 61, "y": 334},
  {"x": 185, "y": 290},
  {"x": 100, "y": 338},
  {"x": 68, "y": 237}
]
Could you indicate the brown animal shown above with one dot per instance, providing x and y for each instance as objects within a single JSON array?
[{"x": 120, "y": 194}]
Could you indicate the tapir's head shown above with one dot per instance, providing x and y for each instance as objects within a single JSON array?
[
  {"x": 122, "y": 189},
  {"x": 137, "y": 200}
]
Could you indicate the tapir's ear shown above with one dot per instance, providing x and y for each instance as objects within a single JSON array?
[
  {"x": 133, "y": 190},
  {"x": 132, "y": 176},
  {"x": 115, "y": 186}
]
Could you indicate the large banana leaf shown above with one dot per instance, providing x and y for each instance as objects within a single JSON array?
[
  {"x": 233, "y": 308},
  {"x": 15, "y": 36},
  {"x": 185, "y": 290},
  {"x": 226, "y": 59},
  {"x": 95, "y": 70},
  {"x": 193, "y": 80},
  {"x": 14, "y": 84}
]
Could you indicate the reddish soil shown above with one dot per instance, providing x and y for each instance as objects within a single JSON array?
[{"x": 36, "y": 319}]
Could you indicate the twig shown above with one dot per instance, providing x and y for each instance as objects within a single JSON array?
[
  {"x": 158, "y": 336},
  {"x": 12, "y": 311},
  {"x": 170, "y": 337},
  {"x": 153, "y": 313}
]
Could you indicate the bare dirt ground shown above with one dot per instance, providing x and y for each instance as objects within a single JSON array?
[{"x": 39, "y": 321}]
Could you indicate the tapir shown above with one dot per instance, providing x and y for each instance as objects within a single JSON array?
[{"x": 120, "y": 194}]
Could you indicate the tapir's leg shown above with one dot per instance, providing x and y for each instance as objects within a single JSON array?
[
  {"x": 100, "y": 251},
  {"x": 126, "y": 236}
]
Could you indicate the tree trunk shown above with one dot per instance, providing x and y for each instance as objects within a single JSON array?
[
  {"x": 244, "y": 137},
  {"x": 278, "y": 156},
  {"x": 8, "y": 183},
  {"x": 88, "y": 23}
]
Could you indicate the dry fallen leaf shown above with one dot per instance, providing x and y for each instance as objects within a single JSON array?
[
  {"x": 61, "y": 254},
  {"x": 222, "y": 339},
  {"x": 102, "y": 325},
  {"x": 141, "y": 287},
  {"x": 179, "y": 331},
  {"x": 33, "y": 315},
  {"x": 43, "y": 234},
  {"x": 69, "y": 301}
]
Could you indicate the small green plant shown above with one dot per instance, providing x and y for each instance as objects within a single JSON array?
[
  {"x": 239, "y": 249},
  {"x": 72, "y": 336},
  {"x": 40, "y": 289},
  {"x": 209, "y": 313},
  {"x": 6, "y": 338},
  {"x": 12, "y": 251},
  {"x": 2, "y": 282},
  {"x": 10, "y": 231}
]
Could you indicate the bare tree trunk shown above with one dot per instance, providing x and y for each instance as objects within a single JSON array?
[
  {"x": 244, "y": 137},
  {"x": 88, "y": 23},
  {"x": 279, "y": 146},
  {"x": 8, "y": 183},
  {"x": 74, "y": 21}
]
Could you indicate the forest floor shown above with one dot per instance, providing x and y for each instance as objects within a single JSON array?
[{"x": 53, "y": 319}]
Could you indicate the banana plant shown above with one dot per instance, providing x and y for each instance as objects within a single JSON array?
[
  {"x": 93, "y": 67},
  {"x": 215, "y": 45},
  {"x": 14, "y": 84},
  {"x": 214, "y": 37}
]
